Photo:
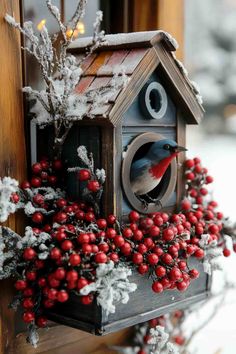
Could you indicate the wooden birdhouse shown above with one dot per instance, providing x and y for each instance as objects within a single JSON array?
[{"x": 158, "y": 102}]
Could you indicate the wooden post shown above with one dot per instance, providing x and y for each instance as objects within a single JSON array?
[{"x": 12, "y": 144}]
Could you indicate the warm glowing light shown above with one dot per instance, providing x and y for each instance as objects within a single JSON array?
[
  {"x": 80, "y": 29},
  {"x": 41, "y": 24}
]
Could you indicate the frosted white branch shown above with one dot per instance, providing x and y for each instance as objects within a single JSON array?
[{"x": 112, "y": 286}]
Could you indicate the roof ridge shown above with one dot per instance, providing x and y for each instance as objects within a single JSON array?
[{"x": 146, "y": 39}]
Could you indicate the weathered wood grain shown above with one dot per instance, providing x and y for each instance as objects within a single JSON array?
[{"x": 12, "y": 144}]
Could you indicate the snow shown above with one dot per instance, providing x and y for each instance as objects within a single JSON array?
[
  {"x": 125, "y": 38},
  {"x": 8, "y": 186}
]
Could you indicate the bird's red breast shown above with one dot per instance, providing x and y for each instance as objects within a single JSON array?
[{"x": 158, "y": 170}]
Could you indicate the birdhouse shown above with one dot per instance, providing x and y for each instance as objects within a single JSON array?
[{"x": 154, "y": 106}]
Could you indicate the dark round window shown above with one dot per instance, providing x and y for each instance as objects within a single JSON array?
[
  {"x": 153, "y": 100},
  {"x": 147, "y": 203}
]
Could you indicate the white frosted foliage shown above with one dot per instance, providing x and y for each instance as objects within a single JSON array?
[{"x": 112, "y": 286}]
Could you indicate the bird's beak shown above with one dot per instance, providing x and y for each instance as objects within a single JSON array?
[{"x": 180, "y": 148}]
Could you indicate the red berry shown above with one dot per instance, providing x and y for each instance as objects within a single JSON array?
[
  {"x": 75, "y": 259},
  {"x": 181, "y": 286},
  {"x": 226, "y": 252},
  {"x": 165, "y": 283},
  {"x": 41, "y": 322},
  {"x": 134, "y": 216},
  {"x": 203, "y": 191},
  {"x": 196, "y": 160},
  {"x": 154, "y": 231},
  {"x": 55, "y": 253},
  {"x": 86, "y": 299},
  {"x": 190, "y": 176},
  {"x": 67, "y": 245},
  {"x": 137, "y": 258},
  {"x": 146, "y": 223},
  {"x": 111, "y": 219},
  {"x": 20, "y": 285},
  {"x": 182, "y": 265},
  {"x": 61, "y": 217},
  {"x": 148, "y": 242},
  {"x": 186, "y": 205},
  {"x": 199, "y": 253},
  {"x": 82, "y": 282},
  {"x": 83, "y": 238},
  {"x": 209, "y": 179},
  {"x": 61, "y": 236},
  {"x": 168, "y": 234},
  {"x": 90, "y": 216},
  {"x": 126, "y": 249},
  {"x": 84, "y": 175},
  {"x": 36, "y": 168},
  {"x": 101, "y": 223},
  {"x": 179, "y": 339},
  {"x": 15, "y": 198},
  {"x": 198, "y": 168},
  {"x": 152, "y": 259},
  {"x": 137, "y": 235},
  {"x": 213, "y": 229},
  {"x": 37, "y": 217},
  {"x": 175, "y": 274},
  {"x": 143, "y": 268},
  {"x": 31, "y": 275},
  {"x": 160, "y": 271},
  {"x": 28, "y": 292},
  {"x": 52, "y": 180},
  {"x": 119, "y": 241},
  {"x": 36, "y": 182},
  {"x": 42, "y": 282},
  {"x": 158, "y": 251},
  {"x": 25, "y": 185},
  {"x": 71, "y": 275},
  {"x": 190, "y": 249},
  {"x": 127, "y": 232},
  {"x": 87, "y": 248},
  {"x": 158, "y": 220},
  {"x": 142, "y": 248},
  {"x": 52, "y": 294},
  {"x": 61, "y": 203},
  {"x": 93, "y": 186},
  {"x": 62, "y": 296},
  {"x": 194, "y": 273},
  {"x": 157, "y": 287},
  {"x": 114, "y": 257},
  {"x": 111, "y": 233},
  {"x": 29, "y": 254},
  {"x": 60, "y": 273},
  {"x": 57, "y": 165},
  {"x": 167, "y": 258},
  {"x": 28, "y": 316},
  {"x": 100, "y": 257},
  {"x": 189, "y": 163},
  {"x": 38, "y": 199}
]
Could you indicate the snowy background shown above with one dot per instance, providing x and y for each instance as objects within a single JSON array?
[{"x": 210, "y": 49}]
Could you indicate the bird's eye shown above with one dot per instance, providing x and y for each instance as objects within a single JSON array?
[{"x": 167, "y": 147}]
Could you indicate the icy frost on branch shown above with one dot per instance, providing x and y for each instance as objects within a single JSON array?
[
  {"x": 112, "y": 286},
  {"x": 159, "y": 341},
  {"x": 212, "y": 254},
  {"x": 8, "y": 186}
]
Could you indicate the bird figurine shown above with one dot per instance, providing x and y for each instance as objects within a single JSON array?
[{"x": 147, "y": 172}]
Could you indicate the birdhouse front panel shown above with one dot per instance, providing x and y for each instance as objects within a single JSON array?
[{"x": 152, "y": 116}]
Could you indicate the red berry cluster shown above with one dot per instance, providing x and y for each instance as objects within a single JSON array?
[
  {"x": 199, "y": 209},
  {"x": 158, "y": 244}
]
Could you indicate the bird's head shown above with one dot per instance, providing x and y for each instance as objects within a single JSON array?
[{"x": 162, "y": 149}]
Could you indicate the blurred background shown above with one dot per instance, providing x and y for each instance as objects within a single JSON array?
[{"x": 206, "y": 32}]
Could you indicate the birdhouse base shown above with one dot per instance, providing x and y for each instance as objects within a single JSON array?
[{"x": 143, "y": 305}]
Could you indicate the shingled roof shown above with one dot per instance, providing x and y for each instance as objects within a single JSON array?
[{"x": 138, "y": 54}]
